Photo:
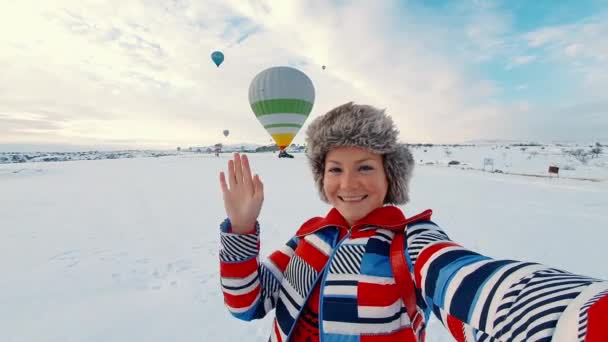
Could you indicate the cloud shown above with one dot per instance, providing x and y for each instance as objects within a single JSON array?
[
  {"x": 545, "y": 36},
  {"x": 520, "y": 60},
  {"x": 404, "y": 69},
  {"x": 580, "y": 121},
  {"x": 581, "y": 48},
  {"x": 523, "y": 106}
]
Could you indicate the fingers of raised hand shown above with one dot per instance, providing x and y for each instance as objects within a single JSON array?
[
  {"x": 231, "y": 175},
  {"x": 247, "y": 172},
  {"x": 239, "y": 176},
  {"x": 258, "y": 187},
  {"x": 238, "y": 168},
  {"x": 223, "y": 182}
]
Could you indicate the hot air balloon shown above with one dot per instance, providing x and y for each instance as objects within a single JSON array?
[
  {"x": 217, "y": 57},
  {"x": 323, "y": 67},
  {"x": 281, "y": 98},
  {"x": 226, "y": 132}
]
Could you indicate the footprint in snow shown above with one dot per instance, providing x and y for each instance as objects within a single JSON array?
[{"x": 69, "y": 258}]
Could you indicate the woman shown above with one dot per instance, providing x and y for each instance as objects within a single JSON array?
[{"x": 335, "y": 279}]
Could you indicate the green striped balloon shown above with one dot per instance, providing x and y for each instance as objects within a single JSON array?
[{"x": 281, "y": 98}]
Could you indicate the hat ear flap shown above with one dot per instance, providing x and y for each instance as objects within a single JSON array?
[
  {"x": 399, "y": 166},
  {"x": 317, "y": 165}
]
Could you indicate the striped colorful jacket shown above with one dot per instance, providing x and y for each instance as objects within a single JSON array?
[{"x": 476, "y": 298}]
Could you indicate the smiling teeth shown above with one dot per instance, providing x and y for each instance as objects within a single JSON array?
[{"x": 352, "y": 198}]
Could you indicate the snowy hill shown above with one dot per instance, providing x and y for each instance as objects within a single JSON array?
[{"x": 532, "y": 160}]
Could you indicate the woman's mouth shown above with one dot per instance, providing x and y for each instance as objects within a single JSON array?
[{"x": 352, "y": 198}]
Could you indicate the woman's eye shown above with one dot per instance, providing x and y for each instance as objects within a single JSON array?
[
  {"x": 366, "y": 168},
  {"x": 334, "y": 170}
]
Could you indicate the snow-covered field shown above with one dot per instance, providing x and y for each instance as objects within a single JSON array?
[{"x": 126, "y": 249}]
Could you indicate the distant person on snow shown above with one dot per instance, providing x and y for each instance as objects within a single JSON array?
[
  {"x": 217, "y": 149},
  {"x": 365, "y": 272},
  {"x": 284, "y": 154}
]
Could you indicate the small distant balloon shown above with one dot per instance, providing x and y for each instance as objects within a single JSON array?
[
  {"x": 323, "y": 67},
  {"x": 226, "y": 132},
  {"x": 217, "y": 57}
]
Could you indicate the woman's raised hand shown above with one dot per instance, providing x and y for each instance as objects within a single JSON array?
[{"x": 243, "y": 195}]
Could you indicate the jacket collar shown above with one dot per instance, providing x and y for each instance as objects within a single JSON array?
[{"x": 387, "y": 217}]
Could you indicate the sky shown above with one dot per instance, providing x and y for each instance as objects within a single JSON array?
[{"x": 138, "y": 74}]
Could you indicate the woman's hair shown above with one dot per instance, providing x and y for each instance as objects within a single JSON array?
[{"x": 366, "y": 127}]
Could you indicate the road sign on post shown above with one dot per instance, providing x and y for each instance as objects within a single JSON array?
[
  {"x": 488, "y": 162},
  {"x": 554, "y": 169}
]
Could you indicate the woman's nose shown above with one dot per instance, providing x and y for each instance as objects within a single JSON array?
[{"x": 349, "y": 180}]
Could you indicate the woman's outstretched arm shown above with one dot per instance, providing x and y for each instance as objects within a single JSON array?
[{"x": 478, "y": 298}]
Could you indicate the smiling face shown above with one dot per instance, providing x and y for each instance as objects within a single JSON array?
[{"x": 354, "y": 181}]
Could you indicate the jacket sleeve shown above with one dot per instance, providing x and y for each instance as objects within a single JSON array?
[
  {"x": 250, "y": 287},
  {"x": 478, "y": 298}
]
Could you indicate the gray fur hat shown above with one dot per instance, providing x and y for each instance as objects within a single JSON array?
[{"x": 366, "y": 127}]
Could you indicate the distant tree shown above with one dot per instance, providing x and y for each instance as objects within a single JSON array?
[
  {"x": 580, "y": 155},
  {"x": 17, "y": 158},
  {"x": 267, "y": 148},
  {"x": 532, "y": 154},
  {"x": 596, "y": 151},
  {"x": 569, "y": 167}
]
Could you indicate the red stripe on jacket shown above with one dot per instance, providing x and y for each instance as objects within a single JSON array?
[
  {"x": 424, "y": 257},
  {"x": 280, "y": 259},
  {"x": 455, "y": 327},
  {"x": 400, "y": 335},
  {"x": 597, "y": 319},
  {"x": 242, "y": 301},
  {"x": 313, "y": 256},
  {"x": 377, "y": 294},
  {"x": 238, "y": 269}
]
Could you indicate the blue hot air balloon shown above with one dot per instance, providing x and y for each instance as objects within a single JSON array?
[{"x": 217, "y": 57}]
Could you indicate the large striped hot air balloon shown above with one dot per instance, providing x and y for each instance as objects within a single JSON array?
[{"x": 281, "y": 98}]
